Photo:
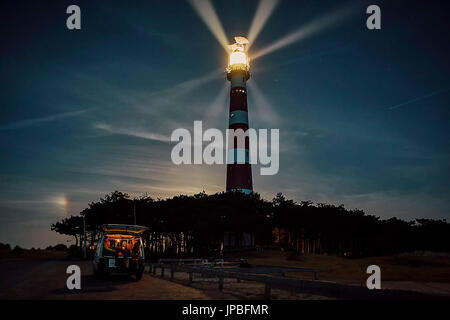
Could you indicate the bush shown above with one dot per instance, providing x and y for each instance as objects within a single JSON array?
[
  {"x": 17, "y": 250},
  {"x": 60, "y": 247},
  {"x": 5, "y": 246}
]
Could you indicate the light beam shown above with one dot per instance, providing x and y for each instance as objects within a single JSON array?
[
  {"x": 265, "y": 112},
  {"x": 219, "y": 105},
  {"x": 206, "y": 12},
  {"x": 264, "y": 11},
  {"x": 307, "y": 30},
  {"x": 192, "y": 84}
]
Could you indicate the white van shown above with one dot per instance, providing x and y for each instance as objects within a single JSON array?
[{"x": 120, "y": 250}]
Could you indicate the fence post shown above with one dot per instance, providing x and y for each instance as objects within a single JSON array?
[
  {"x": 172, "y": 271},
  {"x": 220, "y": 283},
  {"x": 316, "y": 275},
  {"x": 191, "y": 277},
  {"x": 154, "y": 269},
  {"x": 162, "y": 272},
  {"x": 267, "y": 290}
]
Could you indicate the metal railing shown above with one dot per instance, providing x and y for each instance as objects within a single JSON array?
[
  {"x": 195, "y": 262},
  {"x": 321, "y": 288}
]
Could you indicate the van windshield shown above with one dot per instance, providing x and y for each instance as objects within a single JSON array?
[{"x": 124, "y": 246}]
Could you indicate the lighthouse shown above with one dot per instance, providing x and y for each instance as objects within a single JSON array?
[{"x": 239, "y": 170}]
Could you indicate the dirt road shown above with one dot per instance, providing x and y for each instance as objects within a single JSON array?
[{"x": 46, "y": 279}]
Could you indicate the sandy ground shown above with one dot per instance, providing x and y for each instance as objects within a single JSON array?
[
  {"x": 243, "y": 290},
  {"x": 44, "y": 277},
  {"x": 428, "y": 274}
]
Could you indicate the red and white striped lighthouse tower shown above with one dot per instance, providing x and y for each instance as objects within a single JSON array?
[{"x": 239, "y": 170}]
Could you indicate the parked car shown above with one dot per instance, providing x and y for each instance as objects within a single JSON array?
[{"x": 120, "y": 250}]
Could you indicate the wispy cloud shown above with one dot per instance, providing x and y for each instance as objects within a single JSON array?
[
  {"x": 132, "y": 132},
  {"x": 31, "y": 122},
  {"x": 425, "y": 96}
]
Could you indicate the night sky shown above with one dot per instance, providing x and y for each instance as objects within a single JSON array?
[{"x": 363, "y": 114}]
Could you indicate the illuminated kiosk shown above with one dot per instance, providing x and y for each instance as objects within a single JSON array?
[{"x": 239, "y": 175}]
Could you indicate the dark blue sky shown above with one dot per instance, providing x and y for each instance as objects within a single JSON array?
[{"x": 363, "y": 115}]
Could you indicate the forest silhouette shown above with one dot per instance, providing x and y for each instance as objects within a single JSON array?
[{"x": 194, "y": 225}]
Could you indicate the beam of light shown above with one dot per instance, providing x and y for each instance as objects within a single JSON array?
[
  {"x": 264, "y": 11},
  {"x": 218, "y": 107},
  {"x": 187, "y": 86},
  {"x": 171, "y": 95},
  {"x": 310, "y": 29},
  {"x": 168, "y": 96},
  {"x": 265, "y": 112},
  {"x": 206, "y": 12},
  {"x": 34, "y": 121},
  {"x": 172, "y": 101},
  {"x": 304, "y": 57},
  {"x": 428, "y": 95},
  {"x": 132, "y": 132}
]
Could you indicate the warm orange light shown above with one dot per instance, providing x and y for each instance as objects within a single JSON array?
[{"x": 120, "y": 236}]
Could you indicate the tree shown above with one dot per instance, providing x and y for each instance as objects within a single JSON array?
[
  {"x": 72, "y": 226},
  {"x": 195, "y": 225}
]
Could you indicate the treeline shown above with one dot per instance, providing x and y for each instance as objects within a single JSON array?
[{"x": 195, "y": 225}]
